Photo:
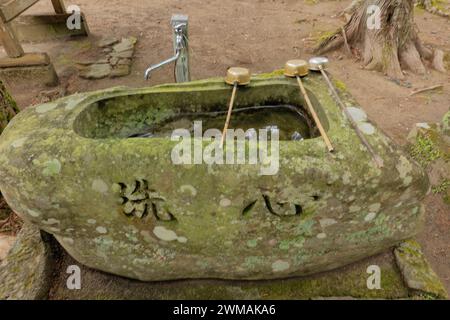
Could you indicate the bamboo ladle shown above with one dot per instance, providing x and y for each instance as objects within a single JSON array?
[
  {"x": 298, "y": 69},
  {"x": 319, "y": 64},
  {"x": 236, "y": 77}
]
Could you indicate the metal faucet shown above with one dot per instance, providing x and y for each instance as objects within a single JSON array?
[{"x": 181, "y": 49}]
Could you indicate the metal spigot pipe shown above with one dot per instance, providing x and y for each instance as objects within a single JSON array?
[{"x": 159, "y": 65}]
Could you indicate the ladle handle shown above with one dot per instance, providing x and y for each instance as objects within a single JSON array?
[
  {"x": 230, "y": 109},
  {"x": 315, "y": 117},
  {"x": 376, "y": 158}
]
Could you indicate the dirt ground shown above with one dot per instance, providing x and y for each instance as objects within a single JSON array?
[{"x": 260, "y": 35}]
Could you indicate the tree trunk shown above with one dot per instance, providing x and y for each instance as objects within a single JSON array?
[
  {"x": 8, "y": 107},
  {"x": 388, "y": 46}
]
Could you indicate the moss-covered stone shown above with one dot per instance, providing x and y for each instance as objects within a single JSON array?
[
  {"x": 429, "y": 144},
  {"x": 26, "y": 272},
  {"x": 349, "y": 282},
  {"x": 416, "y": 271},
  {"x": 8, "y": 107},
  {"x": 69, "y": 168}
]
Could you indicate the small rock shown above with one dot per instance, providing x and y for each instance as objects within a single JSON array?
[
  {"x": 114, "y": 61},
  {"x": 96, "y": 71},
  {"x": 124, "y": 61},
  {"x": 101, "y": 61},
  {"x": 91, "y": 62},
  {"x": 416, "y": 271},
  {"x": 85, "y": 62},
  {"x": 123, "y": 54},
  {"x": 107, "y": 41},
  {"x": 125, "y": 45},
  {"x": 120, "y": 71},
  {"x": 107, "y": 50}
]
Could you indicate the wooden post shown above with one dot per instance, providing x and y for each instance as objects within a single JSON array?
[
  {"x": 8, "y": 107},
  {"x": 10, "y": 41},
  {"x": 59, "y": 6}
]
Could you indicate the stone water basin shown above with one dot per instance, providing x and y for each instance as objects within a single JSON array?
[{"x": 116, "y": 202}]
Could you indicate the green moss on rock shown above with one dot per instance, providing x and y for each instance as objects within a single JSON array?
[
  {"x": 69, "y": 167},
  {"x": 416, "y": 271}
]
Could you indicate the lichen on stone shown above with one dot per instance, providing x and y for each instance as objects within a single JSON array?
[{"x": 416, "y": 271}]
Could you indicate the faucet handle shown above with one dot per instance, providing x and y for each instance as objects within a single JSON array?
[{"x": 179, "y": 28}]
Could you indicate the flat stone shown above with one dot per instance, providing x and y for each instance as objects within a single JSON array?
[
  {"x": 125, "y": 45},
  {"x": 114, "y": 61},
  {"x": 96, "y": 71},
  {"x": 124, "y": 61},
  {"x": 92, "y": 61},
  {"x": 99, "y": 285},
  {"x": 26, "y": 272},
  {"x": 107, "y": 41},
  {"x": 416, "y": 271},
  {"x": 120, "y": 71},
  {"x": 123, "y": 54}
]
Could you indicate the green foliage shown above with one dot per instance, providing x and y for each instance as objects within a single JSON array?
[
  {"x": 8, "y": 107},
  {"x": 324, "y": 35},
  {"x": 442, "y": 187},
  {"x": 424, "y": 150}
]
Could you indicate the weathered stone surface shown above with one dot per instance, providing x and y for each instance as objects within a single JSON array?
[
  {"x": 416, "y": 271},
  {"x": 107, "y": 41},
  {"x": 25, "y": 274},
  {"x": 96, "y": 71},
  {"x": 126, "y": 44},
  {"x": 114, "y": 61},
  {"x": 125, "y": 61},
  {"x": 124, "y": 54},
  {"x": 76, "y": 175},
  {"x": 429, "y": 144},
  {"x": 345, "y": 283},
  {"x": 120, "y": 71}
]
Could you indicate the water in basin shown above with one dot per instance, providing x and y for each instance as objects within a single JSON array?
[{"x": 291, "y": 122}]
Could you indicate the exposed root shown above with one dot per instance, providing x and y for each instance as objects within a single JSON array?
[
  {"x": 410, "y": 58},
  {"x": 351, "y": 8},
  {"x": 428, "y": 6},
  {"x": 438, "y": 60},
  {"x": 394, "y": 44}
]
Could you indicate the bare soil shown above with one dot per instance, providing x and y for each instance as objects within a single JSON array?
[{"x": 261, "y": 35}]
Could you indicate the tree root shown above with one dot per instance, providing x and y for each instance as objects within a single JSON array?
[
  {"x": 428, "y": 6},
  {"x": 389, "y": 48}
]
